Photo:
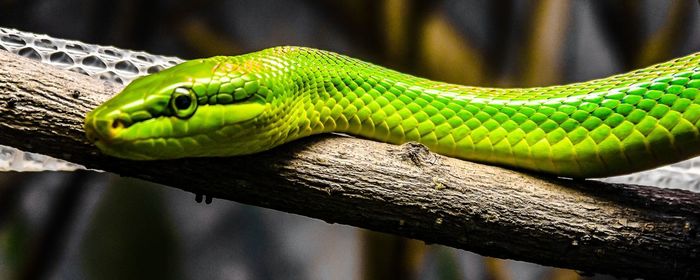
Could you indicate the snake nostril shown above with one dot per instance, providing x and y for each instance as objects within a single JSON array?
[
  {"x": 118, "y": 123},
  {"x": 104, "y": 129}
]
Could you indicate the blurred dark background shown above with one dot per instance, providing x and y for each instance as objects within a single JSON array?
[{"x": 88, "y": 225}]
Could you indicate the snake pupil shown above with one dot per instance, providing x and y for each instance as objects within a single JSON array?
[{"x": 183, "y": 102}]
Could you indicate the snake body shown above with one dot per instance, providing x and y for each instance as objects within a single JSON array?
[{"x": 227, "y": 106}]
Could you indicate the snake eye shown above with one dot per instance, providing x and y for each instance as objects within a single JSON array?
[{"x": 183, "y": 103}]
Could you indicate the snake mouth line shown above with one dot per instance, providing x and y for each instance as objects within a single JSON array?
[{"x": 109, "y": 129}]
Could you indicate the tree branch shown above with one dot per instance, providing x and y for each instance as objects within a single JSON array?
[{"x": 623, "y": 230}]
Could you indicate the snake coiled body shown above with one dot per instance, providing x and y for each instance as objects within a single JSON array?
[{"x": 254, "y": 102}]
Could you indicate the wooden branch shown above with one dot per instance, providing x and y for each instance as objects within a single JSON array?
[{"x": 590, "y": 226}]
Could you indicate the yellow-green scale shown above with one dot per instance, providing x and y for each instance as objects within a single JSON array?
[{"x": 602, "y": 127}]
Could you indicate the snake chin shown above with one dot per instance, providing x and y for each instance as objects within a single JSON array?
[{"x": 120, "y": 151}]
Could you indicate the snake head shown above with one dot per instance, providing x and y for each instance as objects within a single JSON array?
[{"x": 203, "y": 107}]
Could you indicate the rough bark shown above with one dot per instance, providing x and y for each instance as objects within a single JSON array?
[{"x": 625, "y": 230}]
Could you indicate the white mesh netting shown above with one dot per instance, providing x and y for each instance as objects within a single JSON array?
[
  {"x": 106, "y": 63},
  {"x": 122, "y": 66}
]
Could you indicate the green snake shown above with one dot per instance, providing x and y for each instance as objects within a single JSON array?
[{"x": 228, "y": 106}]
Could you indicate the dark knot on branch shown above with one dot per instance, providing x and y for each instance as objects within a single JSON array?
[{"x": 417, "y": 153}]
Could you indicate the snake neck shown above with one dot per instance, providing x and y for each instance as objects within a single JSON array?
[{"x": 598, "y": 128}]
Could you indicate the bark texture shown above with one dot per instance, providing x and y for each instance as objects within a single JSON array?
[{"x": 623, "y": 230}]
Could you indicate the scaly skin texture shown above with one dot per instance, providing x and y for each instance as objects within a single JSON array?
[{"x": 254, "y": 102}]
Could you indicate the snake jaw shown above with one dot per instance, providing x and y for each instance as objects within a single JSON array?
[
  {"x": 116, "y": 151},
  {"x": 169, "y": 137}
]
